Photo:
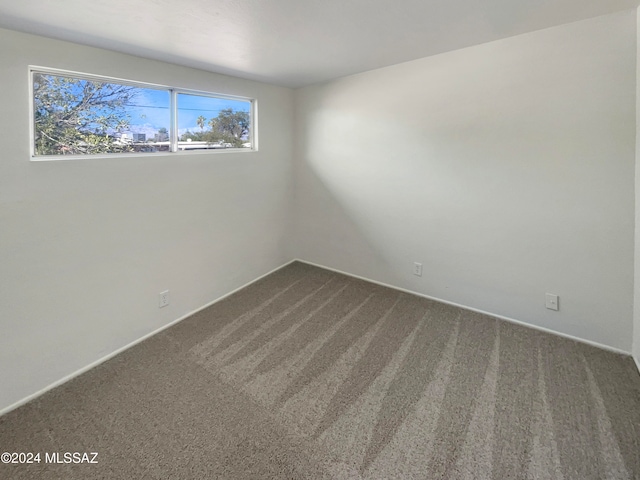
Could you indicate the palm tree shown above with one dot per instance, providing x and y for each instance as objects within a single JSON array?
[{"x": 200, "y": 121}]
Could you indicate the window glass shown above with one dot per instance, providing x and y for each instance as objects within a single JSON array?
[
  {"x": 78, "y": 116},
  {"x": 208, "y": 122}
]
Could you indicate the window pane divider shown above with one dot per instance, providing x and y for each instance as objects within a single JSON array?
[{"x": 173, "y": 130}]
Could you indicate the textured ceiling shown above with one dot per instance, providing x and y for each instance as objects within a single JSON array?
[{"x": 292, "y": 42}]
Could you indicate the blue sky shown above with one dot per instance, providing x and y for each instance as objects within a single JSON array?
[
  {"x": 190, "y": 107},
  {"x": 152, "y": 112}
]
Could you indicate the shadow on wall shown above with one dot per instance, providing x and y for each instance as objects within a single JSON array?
[{"x": 327, "y": 224}]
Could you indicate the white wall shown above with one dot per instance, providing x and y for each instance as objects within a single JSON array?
[
  {"x": 507, "y": 169},
  {"x": 636, "y": 303},
  {"x": 86, "y": 246}
]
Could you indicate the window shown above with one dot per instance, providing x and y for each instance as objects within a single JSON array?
[
  {"x": 77, "y": 115},
  {"x": 212, "y": 122}
]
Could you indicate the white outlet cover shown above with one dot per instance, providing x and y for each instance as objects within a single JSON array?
[
  {"x": 551, "y": 301},
  {"x": 163, "y": 299}
]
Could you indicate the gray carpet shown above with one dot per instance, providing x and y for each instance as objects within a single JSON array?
[{"x": 311, "y": 374}]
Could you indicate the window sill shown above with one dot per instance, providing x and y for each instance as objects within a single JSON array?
[{"x": 180, "y": 153}]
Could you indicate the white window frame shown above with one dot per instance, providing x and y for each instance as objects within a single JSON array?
[{"x": 173, "y": 110}]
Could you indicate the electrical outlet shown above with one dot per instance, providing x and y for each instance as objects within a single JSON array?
[
  {"x": 163, "y": 299},
  {"x": 417, "y": 269},
  {"x": 551, "y": 301}
]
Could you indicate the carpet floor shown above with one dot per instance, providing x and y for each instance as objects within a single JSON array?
[{"x": 312, "y": 374}]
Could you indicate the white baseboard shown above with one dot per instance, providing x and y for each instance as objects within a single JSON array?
[
  {"x": 637, "y": 360},
  {"x": 129, "y": 345},
  {"x": 501, "y": 317}
]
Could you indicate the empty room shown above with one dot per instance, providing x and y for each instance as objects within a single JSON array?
[{"x": 341, "y": 239}]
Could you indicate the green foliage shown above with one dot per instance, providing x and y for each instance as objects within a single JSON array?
[
  {"x": 76, "y": 116},
  {"x": 229, "y": 126},
  {"x": 232, "y": 125},
  {"x": 162, "y": 135}
]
